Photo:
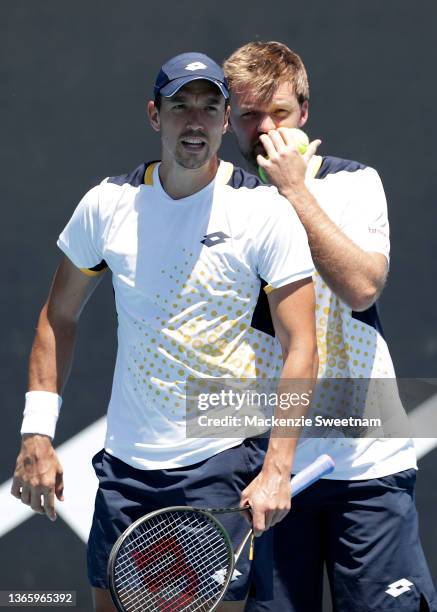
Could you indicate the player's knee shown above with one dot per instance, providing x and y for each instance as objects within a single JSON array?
[{"x": 103, "y": 601}]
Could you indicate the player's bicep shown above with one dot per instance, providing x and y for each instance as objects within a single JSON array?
[
  {"x": 70, "y": 291},
  {"x": 365, "y": 220},
  {"x": 292, "y": 309}
]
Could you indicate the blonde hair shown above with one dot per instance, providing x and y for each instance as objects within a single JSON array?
[{"x": 262, "y": 66}]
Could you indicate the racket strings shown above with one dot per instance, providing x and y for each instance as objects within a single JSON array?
[
  {"x": 163, "y": 584},
  {"x": 173, "y": 562},
  {"x": 159, "y": 559},
  {"x": 167, "y": 586}
]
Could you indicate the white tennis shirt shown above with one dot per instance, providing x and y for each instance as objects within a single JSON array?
[
  {"x": 187, "y": 276},
  {"x": 351, "y": 345}
]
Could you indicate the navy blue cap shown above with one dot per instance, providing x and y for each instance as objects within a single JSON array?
[{"x": 187, "y": 67}]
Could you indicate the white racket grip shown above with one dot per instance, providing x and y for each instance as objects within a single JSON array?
[{"x": 322, "y": 466}]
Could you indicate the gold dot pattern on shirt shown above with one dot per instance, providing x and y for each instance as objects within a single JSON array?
[
  {"x": 347, "y": 348},
  {"x": 202, "y": 330}
]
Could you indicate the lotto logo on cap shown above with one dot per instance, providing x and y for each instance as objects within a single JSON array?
[
  {"x": 188, "y": 67},
  {"x": 195, "y": 66}
]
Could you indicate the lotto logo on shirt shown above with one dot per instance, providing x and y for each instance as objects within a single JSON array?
[{"x": 215, "y": 238}]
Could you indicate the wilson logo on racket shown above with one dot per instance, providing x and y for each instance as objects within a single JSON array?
[{"x": 172, "y": 563}]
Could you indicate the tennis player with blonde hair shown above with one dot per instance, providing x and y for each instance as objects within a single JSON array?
[{"x": 360, "y": 521}]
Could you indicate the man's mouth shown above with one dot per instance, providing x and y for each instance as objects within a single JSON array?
[{"x": 193, "y": 143}]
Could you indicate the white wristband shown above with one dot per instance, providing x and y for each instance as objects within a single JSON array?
[{"x": 41, "y": 412}]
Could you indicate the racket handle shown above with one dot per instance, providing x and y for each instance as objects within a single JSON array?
[{"x": 322, "y": 466}]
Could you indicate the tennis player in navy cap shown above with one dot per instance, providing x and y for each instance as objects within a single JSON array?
[{"x": 188, "y": 242}]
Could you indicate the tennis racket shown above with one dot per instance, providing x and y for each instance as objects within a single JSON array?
[{"x": 180, "y": 559}]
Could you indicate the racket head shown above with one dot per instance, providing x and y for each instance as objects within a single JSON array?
[{"x": 176, "y": 559}]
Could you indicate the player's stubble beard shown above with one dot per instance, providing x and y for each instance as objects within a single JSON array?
[{"x": 250, "y": 154}]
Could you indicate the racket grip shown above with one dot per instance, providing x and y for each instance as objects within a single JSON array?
[{"x": 322, "y": 466}]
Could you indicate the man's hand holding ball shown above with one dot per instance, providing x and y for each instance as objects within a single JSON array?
[{"x": 288, "y": 154}]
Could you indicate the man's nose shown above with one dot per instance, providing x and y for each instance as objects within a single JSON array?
[
  {"x": 266, "y": 124},
  {"x": 194, "y": 120}
]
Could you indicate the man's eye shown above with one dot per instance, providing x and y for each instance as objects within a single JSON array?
[
  {"x": 281, "y": 113},
  {"x": 248, "y": 114},
  {"x": 178, "y": 106},
  {"x": 211, "y": 108}
]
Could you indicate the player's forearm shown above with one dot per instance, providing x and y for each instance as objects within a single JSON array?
[
  {"x": 52, "y": 353},
  {"x": 350, "y": 272},
  {"x": 298, "y": 378}
]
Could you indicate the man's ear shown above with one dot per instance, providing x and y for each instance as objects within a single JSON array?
[
  {"x": 304, "y": 112},
  {"x": 226, "y": 123},
  {"x": 230, "y": 129},
  {"x": 153, "y": 114}
]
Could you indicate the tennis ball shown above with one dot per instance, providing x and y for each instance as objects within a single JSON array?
[
  {"x": 262, "y": 175},
  {"x": 302, "y": 142}
]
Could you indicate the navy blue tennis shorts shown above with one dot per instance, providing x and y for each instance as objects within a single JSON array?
[
  {"x": 366, "y": 533},
  {"x": 126, "y": 493}
]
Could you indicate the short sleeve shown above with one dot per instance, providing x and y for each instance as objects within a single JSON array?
[
  {"x": 365, "y": 220},
  {"x": 80, "y": 240},
  {"x": 283, "y": 252}
]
